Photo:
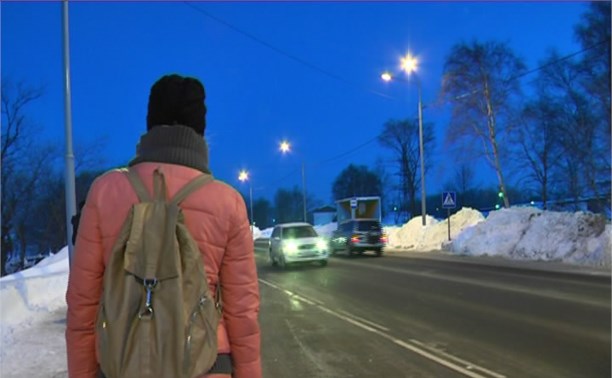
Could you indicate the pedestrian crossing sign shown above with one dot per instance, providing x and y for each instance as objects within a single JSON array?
[{"x": 449, "y": 200}]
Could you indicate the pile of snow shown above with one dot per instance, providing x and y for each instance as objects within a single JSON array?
[
  {"x": 533, "y": 234},
  {"x": 326, "y": 230},
  {"x": 29, "y": 295},
  {"x": 257, "y": 233},
  {"x": 434, "y": 235}
]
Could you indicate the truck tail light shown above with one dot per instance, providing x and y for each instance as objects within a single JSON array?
[
  {"x": 355, "y": 239},
  {"x": 383, "y": 238}
]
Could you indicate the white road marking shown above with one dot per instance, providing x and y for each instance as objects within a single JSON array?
[
  {"x": 376, "y": 325},
  {"x": 467, "y": 364},
  {"x": 454, "y": 363}
]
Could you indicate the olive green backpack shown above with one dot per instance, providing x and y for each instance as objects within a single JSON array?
[{"x": 157, "y": 316}]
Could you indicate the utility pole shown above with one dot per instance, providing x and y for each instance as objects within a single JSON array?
[{"x": 69, "y": 180}]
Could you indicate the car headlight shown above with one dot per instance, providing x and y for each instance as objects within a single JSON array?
[
  {"x": 321, "y": 244},
  {"x": 290, "y": 247}
]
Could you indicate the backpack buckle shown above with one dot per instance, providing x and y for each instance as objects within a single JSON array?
[{"x": 149, "y": 284}]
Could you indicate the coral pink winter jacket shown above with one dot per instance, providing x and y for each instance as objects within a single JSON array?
[{"x": 216, "y": 216}]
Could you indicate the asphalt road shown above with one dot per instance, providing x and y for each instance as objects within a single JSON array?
[{"x": 416, "y": 315}]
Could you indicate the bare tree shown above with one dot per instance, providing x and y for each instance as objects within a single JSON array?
[
  {"x": 385, "y": 182},
  {"x": 464, "y": 178},
  {"x": 593, "y": 33},
  {"x": 402, "y": 138},
  {"x": 24, "y": 163},
  {"x": 480, "y": 84},
  {"x": 539, "y": 151},
  {"x": 579, "y": 129}
]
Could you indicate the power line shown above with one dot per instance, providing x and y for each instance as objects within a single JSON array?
[
  {"x": 538, "y": 68},
  {"x": 328, "y": 160},
  {"x": 559, "y": 60},
  {"x": 285, "y": 53},
  {"x": 343, "y": 154}
]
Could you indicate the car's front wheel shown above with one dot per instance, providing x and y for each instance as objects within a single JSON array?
[
  {"x": 272, "y": 259},
  {"x": 282, "y": 263},
  {"x": 323, "y": 262}
]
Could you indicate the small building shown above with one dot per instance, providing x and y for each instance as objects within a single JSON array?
[{"x": 323, "y": 215}]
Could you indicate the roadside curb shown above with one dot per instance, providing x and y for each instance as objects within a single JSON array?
[{"x": 539, "y": 265}]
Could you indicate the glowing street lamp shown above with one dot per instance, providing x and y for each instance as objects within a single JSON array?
[
  {"x": 409, "y": 65},
  {"x": 285, "y": 147},
  {"x": 244, "y": 176}
]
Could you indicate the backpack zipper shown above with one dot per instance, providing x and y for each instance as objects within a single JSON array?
[{"x": 193, "y": 316}]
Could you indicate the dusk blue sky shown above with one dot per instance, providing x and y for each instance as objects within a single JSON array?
[{"x": 303, "y": 71}]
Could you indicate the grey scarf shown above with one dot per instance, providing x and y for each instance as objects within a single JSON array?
[{"x": 174, "y": 145}]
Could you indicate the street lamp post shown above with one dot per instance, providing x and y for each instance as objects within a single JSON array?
[
  {"x": 285, "y": 147},
  {"x": 244, "y": 176},
  {"x": 69, "y": 180},
  {"x": 409, "y": 65},
  {"x": 421, "y": 150}
]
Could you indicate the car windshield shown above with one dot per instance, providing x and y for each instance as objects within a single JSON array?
[
  {"x": 368, "y": 226},
  {"x": 299, "y": 232}
]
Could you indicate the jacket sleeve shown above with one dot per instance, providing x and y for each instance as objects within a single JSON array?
[
  {"x": 240, "y": 295},
  {"x": 83, "y": 295}
]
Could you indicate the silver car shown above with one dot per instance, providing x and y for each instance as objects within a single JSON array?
[{"x": 297, "y": 243}]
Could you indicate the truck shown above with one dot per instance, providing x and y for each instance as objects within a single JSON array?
[
  {"x": 359, "y": 226},
  {"x": 358, "y": 208}
]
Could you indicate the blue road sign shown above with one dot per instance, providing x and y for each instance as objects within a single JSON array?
[{"x": 449, "y": 200}]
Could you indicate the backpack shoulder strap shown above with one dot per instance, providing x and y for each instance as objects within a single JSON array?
[
  {"x": 190, "y": 187},
  {"x": 138, "y": 185}
]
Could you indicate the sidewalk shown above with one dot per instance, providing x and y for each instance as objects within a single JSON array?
[{"x": 37, "y": 349}]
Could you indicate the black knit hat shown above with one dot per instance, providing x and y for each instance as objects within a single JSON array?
[{"x": 177, "y": 100}]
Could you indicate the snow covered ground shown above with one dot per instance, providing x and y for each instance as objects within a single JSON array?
[{"x": 32, "y": 304}]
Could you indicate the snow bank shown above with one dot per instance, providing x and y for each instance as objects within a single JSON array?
[
  {"x": 532, "y": 234},
  {"x": 414, "y": 236},
  {"x": 31, "y": 294},
  {"x": 326, "y": 230},
  {"x": 498, "y": 235}
]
